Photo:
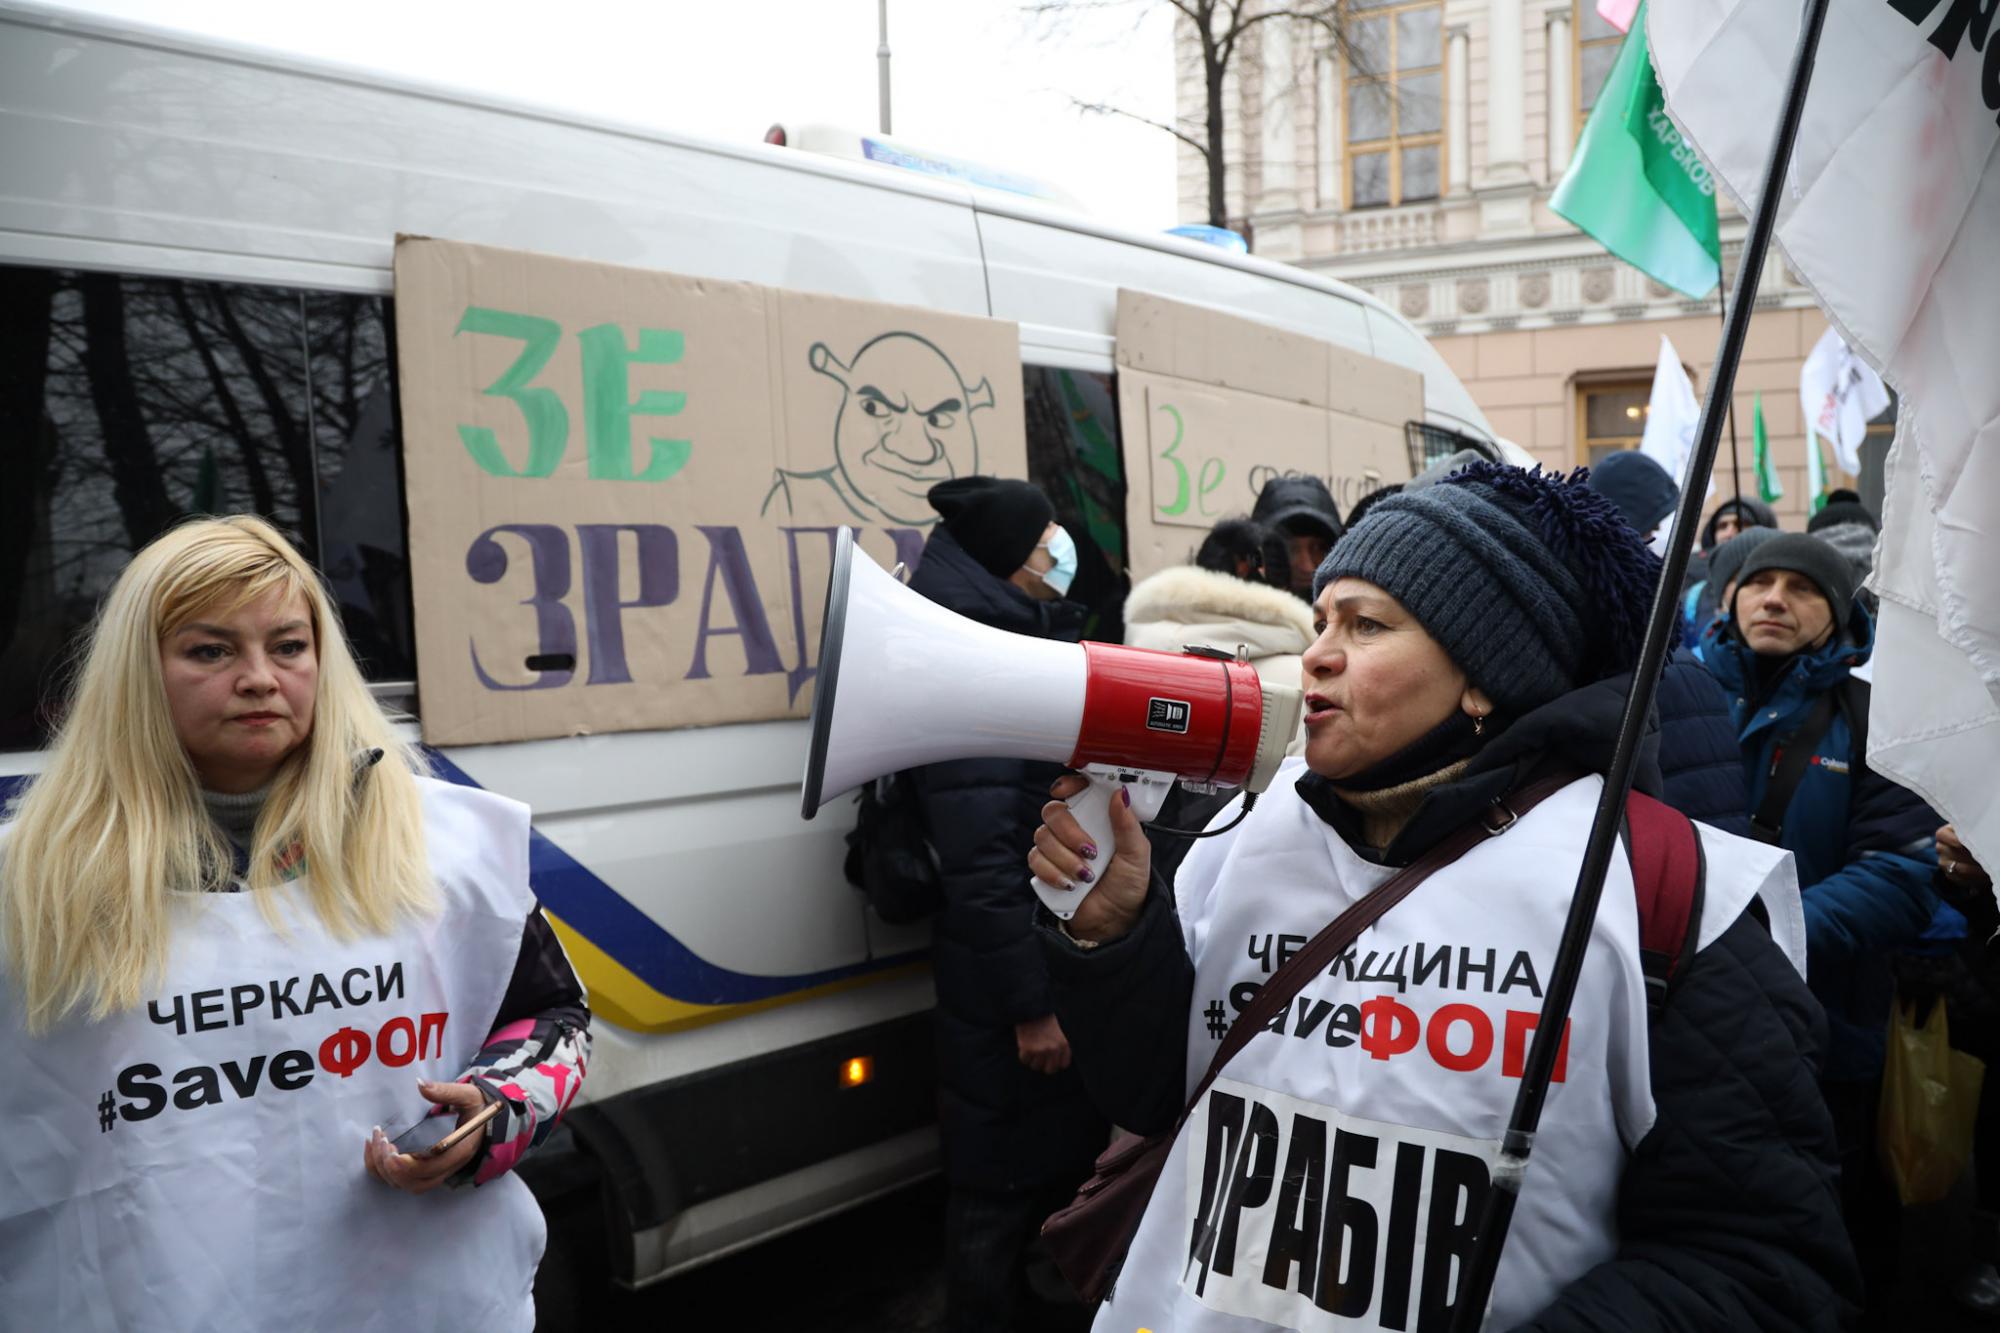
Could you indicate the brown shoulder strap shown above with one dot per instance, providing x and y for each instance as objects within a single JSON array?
[{"x": 1321, "y": 951}]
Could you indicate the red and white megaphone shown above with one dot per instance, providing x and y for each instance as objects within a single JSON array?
[{"x": 904, "y": 682}]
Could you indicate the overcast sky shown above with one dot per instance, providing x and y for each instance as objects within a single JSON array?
[{"x": 970, "y": 77}]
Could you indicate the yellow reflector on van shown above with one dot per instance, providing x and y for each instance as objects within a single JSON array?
[{"x": 857, "y": 1071}]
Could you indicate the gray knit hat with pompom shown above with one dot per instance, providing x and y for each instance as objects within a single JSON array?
[{"x": 1531, "y": 582}]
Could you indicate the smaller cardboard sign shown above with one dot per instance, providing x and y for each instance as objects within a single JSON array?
[
  {"x": 1195, "y": 483},
  {"x": 1213, "y": 407}
]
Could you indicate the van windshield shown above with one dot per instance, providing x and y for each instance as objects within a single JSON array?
[{"x": 138, "y": 401}]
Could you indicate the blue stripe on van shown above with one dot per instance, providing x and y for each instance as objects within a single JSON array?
[{"x": 636, "y": 941}]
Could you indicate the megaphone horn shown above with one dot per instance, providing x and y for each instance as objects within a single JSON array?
[{"x": 904, "y": 682}]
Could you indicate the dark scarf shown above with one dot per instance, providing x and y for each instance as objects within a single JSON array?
[{"x": 1439, "y": 753}]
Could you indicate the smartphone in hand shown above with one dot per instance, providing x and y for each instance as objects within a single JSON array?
[{"x": 436, "y": 1135}]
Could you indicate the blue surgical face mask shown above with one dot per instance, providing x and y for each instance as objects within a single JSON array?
[{"x": 1062, "y": 549}]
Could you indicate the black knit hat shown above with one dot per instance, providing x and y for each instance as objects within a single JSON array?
[
  {"x": 1750, "y": 513},
  {"x": 996, "y": 519},
  {"x": 1842, "y": 511},
  {"x": 1727, "y": 562},
  {"x": 1811, "y": 557},
  {"x": 1639, "y": 486},
  {"x": 1532, "y": 583}
]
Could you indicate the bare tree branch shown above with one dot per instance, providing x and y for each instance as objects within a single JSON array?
[
  {"x": 1218, "y": 28},
  {"x": 1106, "y": 109},
  {"x": 1319, "y": 16}
]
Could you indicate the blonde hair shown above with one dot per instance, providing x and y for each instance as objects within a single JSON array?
[{"x": 115, "y": 823}]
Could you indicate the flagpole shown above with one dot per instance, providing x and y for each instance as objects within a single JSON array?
[
  {"x": 1476, "y": 1286},
  {"x": 1735, "y": 465}
]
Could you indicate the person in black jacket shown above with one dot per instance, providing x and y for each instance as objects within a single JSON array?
[
  {"x": 1643, "y": 491},
  {"x": 1019, "y": 1133},
  {"x": 1701, "y": 771},
  {"x": 1472, "y": 636},
  {"x": 1302, "y": 509}
]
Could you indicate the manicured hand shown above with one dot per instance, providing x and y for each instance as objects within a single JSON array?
[
  {"x": 420, "y": 1175},
  {"x": 1062, "y": 854}
]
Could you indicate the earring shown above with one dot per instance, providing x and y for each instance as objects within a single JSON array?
[{"x": 1479, "y": 724}]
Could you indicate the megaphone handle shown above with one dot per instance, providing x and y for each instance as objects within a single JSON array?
[{"x": 1092, "y": 809}]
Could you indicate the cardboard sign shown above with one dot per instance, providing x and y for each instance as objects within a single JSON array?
[
  {"x": 1213, "y": 406},
  {"x": 623, "y": 484}
]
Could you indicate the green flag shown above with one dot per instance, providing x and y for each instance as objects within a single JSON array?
[
  {"x": 1768, "y": 488},
  {"x": 1815, "y": 472},
  {"x": 1636, "y": 186}
]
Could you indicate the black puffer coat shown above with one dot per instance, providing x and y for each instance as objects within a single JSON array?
[
  {"x": 1701, "y": 766},
  {"x": 1728, "y": 1215},
  {"x": 1005, "y": 1126}
]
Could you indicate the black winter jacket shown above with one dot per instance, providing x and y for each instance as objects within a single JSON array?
[
  {"x": 1729, "y": 1217},
  {"x": 1701, "y": 767},
  {"x": 1005, "y": 1126}
]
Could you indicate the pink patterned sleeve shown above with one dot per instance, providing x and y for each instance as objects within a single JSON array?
[
  {"x": 533, "y": 1068},
  {"x": 533, "y": 1063}
]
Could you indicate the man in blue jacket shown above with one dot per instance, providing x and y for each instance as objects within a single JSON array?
[{"x": 1862, "y": 843}]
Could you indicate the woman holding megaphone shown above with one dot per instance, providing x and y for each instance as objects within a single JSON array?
[
  {"x": 242, "y": 933},
  {"x": 1474, "y": 645}
]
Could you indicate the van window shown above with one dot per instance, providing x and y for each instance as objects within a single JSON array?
[
  {"x": 128, "y": 403},
  {"x": 1073, "y": 455}
]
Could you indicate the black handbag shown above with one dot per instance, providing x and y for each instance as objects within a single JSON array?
[{"x": 889, "y": 854}]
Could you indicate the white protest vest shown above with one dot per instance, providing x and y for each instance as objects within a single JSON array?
[
  {"x": 1334, "y": 1173},
  {"x": 197, "y": 1163}
]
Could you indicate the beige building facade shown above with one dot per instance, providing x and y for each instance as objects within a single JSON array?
[{"x": 1418, "y": 163}]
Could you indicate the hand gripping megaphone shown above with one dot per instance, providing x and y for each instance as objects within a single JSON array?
[{"x": 904, "y": 682}]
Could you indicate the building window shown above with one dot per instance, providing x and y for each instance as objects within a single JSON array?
[
  {"x": 1611, "y": 417},
  {"x": 1393, "y": 72},
  {"x": 1597, "y": 44}
]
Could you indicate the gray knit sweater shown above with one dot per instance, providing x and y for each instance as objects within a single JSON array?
[{"x": 236, "y": 816}]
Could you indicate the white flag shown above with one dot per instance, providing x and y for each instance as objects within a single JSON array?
[
  {"x": 1839, "y": 394},
  {"x": 1891, "y": 212},
  {"x": 1671, "y": 418}
]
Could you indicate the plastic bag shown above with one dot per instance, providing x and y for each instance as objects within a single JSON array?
[{"x": 1930, "y": 1096}]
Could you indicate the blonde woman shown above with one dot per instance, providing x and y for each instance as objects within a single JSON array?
[{"x": 240, "y": 933}]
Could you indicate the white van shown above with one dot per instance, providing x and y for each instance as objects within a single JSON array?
[{"x": 195, "y": 246}]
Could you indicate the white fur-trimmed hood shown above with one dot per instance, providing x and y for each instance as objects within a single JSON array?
[{"x": 1174, "y": 601}]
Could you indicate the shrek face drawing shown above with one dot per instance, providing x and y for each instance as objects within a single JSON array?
[{"x": 905, "y": 422}]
